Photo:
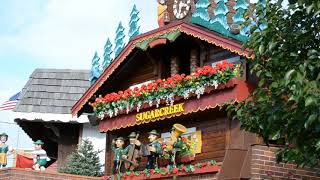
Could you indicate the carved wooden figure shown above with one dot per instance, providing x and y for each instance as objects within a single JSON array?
[
  {"x": 133, "y": 155},
  {"x": 40, "y": 157},
  {"x": 117, "y": 148},
  {"x": 4, "y": 149},
  {"x": 154, "y": 150}
]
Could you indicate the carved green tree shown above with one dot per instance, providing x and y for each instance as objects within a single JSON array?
[
  {"x": 240, "y": 8},
  {"x": 107, "y": 54},
  {"x": 95, "y": 68},
  {"x": 133, "y": 23},
  {"x": 119, "y": 40},
  {"x": 219, "y": 21},
  {"x": 284, "y": 107},
  {"x": 85, "y": 161},
  {"x": 201, "y": 15}
]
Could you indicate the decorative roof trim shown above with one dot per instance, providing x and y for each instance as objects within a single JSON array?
[
  {"x": 189, "y": 29},
  {"x": 50, "y": 117}
]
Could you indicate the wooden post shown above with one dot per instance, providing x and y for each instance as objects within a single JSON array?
[
  {"x": 174, "y": 65},
  {"x": 194, "y": 60},
  {"x": 108, "y": 156}
]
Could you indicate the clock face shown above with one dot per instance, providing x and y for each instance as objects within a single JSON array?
[{"x": 181, "y": 8}]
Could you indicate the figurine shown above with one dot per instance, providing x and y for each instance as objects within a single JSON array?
[
  {"x": 40, "y": 157},
  {"x": 175, "y": 142},
  {"x": 132, "y": 152},
  {"x": 4, "y": 149},
  {"x": 155, "y": 150},
  {"x": 117, "y": 148}
]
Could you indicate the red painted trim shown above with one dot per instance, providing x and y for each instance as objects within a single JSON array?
[
  {"x": 157, "y": 42},
  {"x": 187, "y": 28},
  {"x": 203, "y": 170}
]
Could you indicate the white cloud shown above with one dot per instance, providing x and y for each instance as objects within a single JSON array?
[{"x": 69, "y": 31}]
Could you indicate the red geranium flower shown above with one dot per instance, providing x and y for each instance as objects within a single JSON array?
[
  {"x": 175, "y": 170},
  {"x": 188, "y": 77},
  {"x": 136, "y": 89},
  {"x": 159, "y": 81},
  {"x": 144, "y": 87},
  {"x": 184, "y": 140},
  {"x": 120, "y": 93},
  {"x": 172, "y": 85}
]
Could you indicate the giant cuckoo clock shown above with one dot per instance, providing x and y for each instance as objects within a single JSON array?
[{"x": 173, "y": 10}]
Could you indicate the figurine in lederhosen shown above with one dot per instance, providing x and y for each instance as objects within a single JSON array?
[
  {"x": 154, "y": 147},
  {"x": 4, "y": 149},
  {"x": 132, "y": 152},
  {"x": 117, "y": 148},
  {"x": 40, "y": 157}
]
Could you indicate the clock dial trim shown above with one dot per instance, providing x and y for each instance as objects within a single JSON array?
[{"x": 181, "y": 8}]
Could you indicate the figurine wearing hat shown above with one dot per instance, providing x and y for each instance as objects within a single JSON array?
[
  {"x": 40, "y": 157},
  {"x": 117, "y": 148},
  {"x": 4, "y": 149},
  {"x": 132, "y": 152},
  {"x": 155, "y": 149}
]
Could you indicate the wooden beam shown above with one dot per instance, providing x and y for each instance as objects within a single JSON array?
[{"x": 154, "y": 63}]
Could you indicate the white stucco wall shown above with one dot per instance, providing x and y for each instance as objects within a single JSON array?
[{"x": 98, "y": 139}]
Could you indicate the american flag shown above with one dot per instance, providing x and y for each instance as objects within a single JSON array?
[{"x": 11, "y": 103}]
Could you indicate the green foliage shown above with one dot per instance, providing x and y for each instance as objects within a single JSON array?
[
  {"x": 190, "y": 168},
  {"x": 285, "y": 105},
  {"x": 85, "y": 161}
]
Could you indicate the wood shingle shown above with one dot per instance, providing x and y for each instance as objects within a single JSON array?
[{"x": 53, "y": 91}]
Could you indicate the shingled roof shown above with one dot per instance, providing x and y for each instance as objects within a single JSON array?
[{"x": 53, "y": 91}]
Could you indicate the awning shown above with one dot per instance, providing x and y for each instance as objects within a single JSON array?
[{"x": 234, "y": 90}]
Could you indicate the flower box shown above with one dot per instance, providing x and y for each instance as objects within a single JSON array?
[
  {"x": 163, "y": 162},
  {"x": 164, "y": 91},
  {"x": 140, "y": 176},
  {"x": 184, "y": 159}
]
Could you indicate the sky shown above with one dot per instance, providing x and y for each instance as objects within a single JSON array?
[{"x": 56, "y": 34}]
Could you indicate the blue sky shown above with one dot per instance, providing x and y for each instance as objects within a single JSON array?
[{"x": 56, "y": 34}]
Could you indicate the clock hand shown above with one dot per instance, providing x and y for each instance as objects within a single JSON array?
[{"x": 180, "y": 6}]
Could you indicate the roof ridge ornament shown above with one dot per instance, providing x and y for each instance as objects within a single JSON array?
[
  {"x": 119, "y": 40},
  {"x": 107, "y": 59},
  {"x": 133, "y": 23},
  {"x": 95, "y": 68}
]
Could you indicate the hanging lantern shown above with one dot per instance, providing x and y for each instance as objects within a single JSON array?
[{"x": 166, "y": 17}]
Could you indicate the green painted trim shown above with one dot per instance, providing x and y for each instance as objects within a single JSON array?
[{"x": 171, "y": 36}]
